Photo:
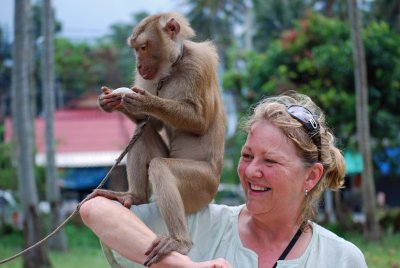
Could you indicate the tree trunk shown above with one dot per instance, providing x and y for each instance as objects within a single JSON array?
[
  {"x": 329, "y": 208},
  {"x": 58, "y": 242},
  {"x": 36, "y": 257},
  {"x": 371, "y": 227}
]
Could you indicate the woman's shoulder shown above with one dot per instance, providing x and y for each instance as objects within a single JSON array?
[
  {"x": 335, "y": 245},
  {"x": 324, "y": 233}
]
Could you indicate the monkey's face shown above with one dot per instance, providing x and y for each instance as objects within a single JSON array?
[
  {"x": 150, "y": 53},
  {"x": 147, "y": 60}
]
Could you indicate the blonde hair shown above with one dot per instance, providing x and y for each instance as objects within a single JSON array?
[{"x": 274, "y": 110}]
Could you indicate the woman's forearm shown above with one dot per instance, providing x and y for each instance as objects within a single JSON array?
[{"x": 120, "y": 229}]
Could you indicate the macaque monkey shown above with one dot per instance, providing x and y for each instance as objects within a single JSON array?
[{"x": 176, "y": 87}]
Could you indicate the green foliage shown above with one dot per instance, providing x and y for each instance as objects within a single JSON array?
[
  {"x": 390, "y": 220},
  {"x": 315, "y": 58},
  {"x": 75, "y": 66},
  {"x": 383, "y": 57},
  {"x": 82, "y": 68},
  {"x": 386, "y": 10},
  {"x": 276, "y": 16},
  {"x": 381, "y": 254},
  {"x": 5, "y": 69},
  {"x": 8, "y": 174},
  {"x": 233, "y": 147},
  {"x": 378, "y": 255},
  {"x": 84, "y": 249}
]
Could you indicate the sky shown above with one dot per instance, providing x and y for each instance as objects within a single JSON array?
[{"x": 88, "y": 19}]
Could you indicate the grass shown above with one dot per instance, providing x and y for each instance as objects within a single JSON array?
[
  {"x": 85, "y": 251},
  {"x": 385, "y": 254}
]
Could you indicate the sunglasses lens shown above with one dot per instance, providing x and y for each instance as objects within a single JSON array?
[{"x": 306, "y": 118}]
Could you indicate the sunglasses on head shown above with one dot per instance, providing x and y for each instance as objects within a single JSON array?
[{"x": 310, "y": 124}]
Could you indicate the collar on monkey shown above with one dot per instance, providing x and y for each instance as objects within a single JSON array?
[
  {"x": 180, "y": 56},
  {"x": 164, "y": 79}
]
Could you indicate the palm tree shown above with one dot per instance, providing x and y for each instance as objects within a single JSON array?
[
  {"x": 388, "y": 11},
  {"x": 371, "y": 227},
  {"x": 216, "y": 20},
  {"x": 23, "y": 129},
  {"x": 58, "y": 242},
  {"x": 273, "y": 17}
]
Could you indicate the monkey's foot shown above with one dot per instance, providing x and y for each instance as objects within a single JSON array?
[
  {"x": 125, "y": 198},
  {"x": 164, "y": 245}
]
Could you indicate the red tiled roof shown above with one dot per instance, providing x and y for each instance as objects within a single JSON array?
[{"x": 83, "y": 130}]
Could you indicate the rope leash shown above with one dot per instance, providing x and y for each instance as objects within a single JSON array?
[{"x": 138, "y": 132}]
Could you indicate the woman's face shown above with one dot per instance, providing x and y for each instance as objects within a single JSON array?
[{"x": 272, "y": 175}]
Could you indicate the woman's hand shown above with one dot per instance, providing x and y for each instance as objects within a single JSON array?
[
  {"x": 217, "y": 263},
  {"x": 178, "y": 260}
]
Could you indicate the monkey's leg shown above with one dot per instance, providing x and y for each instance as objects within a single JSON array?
[
  {"x": 180, "y": 186},
  {"x": 149, "y": 145}
]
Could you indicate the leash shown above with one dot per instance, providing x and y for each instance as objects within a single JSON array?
[{"x": 137, "y": 134}]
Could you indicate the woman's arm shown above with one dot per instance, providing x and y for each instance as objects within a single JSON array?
[{"x": 120, "y": 229}]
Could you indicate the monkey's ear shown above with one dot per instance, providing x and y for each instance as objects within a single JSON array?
[
  {"x": 172, "y": 28},
  {"x": 129, "y": 41}
]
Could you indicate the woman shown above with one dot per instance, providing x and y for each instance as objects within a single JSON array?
[{"x": 288, "y": 160}]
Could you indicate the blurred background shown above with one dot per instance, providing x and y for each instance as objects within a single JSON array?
[{"x": 56, "y": 145}]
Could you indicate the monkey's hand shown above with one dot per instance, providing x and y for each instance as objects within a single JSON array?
[
  {"x": 138, "y": 101},
  {"x": 109, "y": 102},
  {"x": 127, "y": 199},
  {"x": 164, "y": 245}
]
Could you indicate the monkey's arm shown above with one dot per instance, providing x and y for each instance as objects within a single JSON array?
[
  {"x": 110, "y": 102},
  {"x": 124, "y": 232},
  {"x": 185, "y": 114}
]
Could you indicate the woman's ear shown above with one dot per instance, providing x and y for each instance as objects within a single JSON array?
[{"x": 315, "y": 174}]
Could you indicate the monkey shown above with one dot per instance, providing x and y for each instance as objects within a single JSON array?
[{"x": 176, "y": 89}]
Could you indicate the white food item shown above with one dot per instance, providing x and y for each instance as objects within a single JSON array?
[{"x": 122, "y": 90}]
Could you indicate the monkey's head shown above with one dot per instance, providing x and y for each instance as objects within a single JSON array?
[{"x": 157, "y": 41}]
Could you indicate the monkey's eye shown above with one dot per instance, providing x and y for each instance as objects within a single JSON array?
[{"x": 143, "y": 47}]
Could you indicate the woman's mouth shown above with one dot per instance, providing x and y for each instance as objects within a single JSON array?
[{"x": 257, "y": 188}]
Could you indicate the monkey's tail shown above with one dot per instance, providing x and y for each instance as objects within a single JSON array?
[{"x": 138, "y": 132}]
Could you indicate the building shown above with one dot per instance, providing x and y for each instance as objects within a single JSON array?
[{"x": 88, "y": 141}]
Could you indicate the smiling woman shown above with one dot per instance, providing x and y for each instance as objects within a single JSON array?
[{"x": 288, "y": 160}]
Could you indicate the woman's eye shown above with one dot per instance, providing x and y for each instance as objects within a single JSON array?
[
  {"x": 270, "y": 161},
  {"x": 246, "y": 156}
]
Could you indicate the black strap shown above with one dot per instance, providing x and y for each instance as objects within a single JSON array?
[
  {"x": 289, "y": 247},
  {"x": 163, "y": 80}
]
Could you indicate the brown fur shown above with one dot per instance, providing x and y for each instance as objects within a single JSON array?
[{"x": 184, "y": 171}]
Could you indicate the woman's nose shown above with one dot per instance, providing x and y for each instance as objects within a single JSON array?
[{"x": 253, "y": 170}]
